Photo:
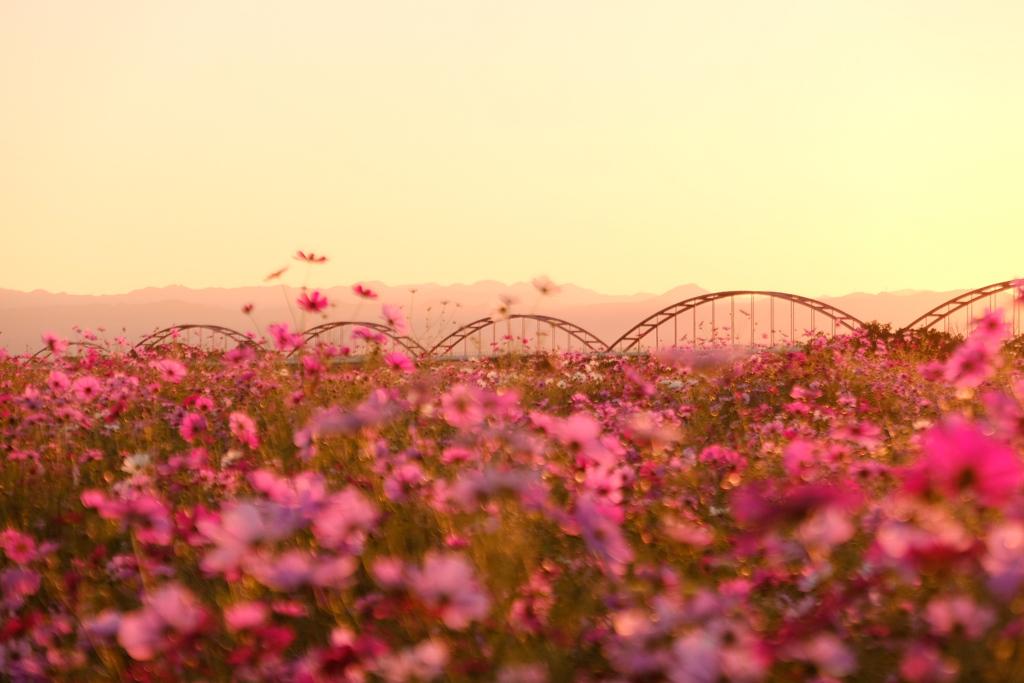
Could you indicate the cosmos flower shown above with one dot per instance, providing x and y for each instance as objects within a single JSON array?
[
  {"x": 312, "y": 303},
  {"x": 363, "y": 292},
  {"x": 395, "y": 319}
]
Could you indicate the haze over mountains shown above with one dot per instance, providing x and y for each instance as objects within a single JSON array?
[{"x": 435, "y": 310}]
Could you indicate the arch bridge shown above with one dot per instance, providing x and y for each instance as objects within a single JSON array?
[
  {"x": 337, "y": 330},
  {"x": 208, "y": 337},
  {"x": 1004, "y": 295},
  {"x": 783, "y": 312},
  {"x": 546, "y": 330}
]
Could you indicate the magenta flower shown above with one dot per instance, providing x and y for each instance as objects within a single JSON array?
[
  {"x": 400, "y": 361},
  {"x": 309, "y": 258},
  {"x": 363, "y": 292},
  {"x": 369, "y": 335},
  {"x": 947, "y": 614},
  {"x": 86, "y": 388},
  {"x": 963, "y": 463},
  {"x": 972, "y": 363},
  {"x": 58, "y": 381},
  {"x": 240, "y": 355},
  {"x": 244, "y": 429},
  {"x": 284, "y": 339},
  {"x": 864, "y": 433},
  {"x": 57, "y": 345},
  {"x": 192, "y": 426},
  {"x": 344, "y": 521},
  {"x": 448, "y": 584},
  {"x": 170, "y": 370},
  {"x": 395, "y": 319},
  {"x": 19, "y": 548},
  {"x": 313, "y": 303}
]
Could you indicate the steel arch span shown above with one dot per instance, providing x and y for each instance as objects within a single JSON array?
[
  {"x": 942, "y": 312},
  {"x": 408, "y": 343},
  {"x": 45, "y": 352},
  {"x": 462, "y": 335},
  {"x": 170, "y": 334},
  {"x": 630, "y": 341}
]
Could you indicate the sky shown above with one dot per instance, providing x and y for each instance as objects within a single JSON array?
[{"x": 811, "y": 147}]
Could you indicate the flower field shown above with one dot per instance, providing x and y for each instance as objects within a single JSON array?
[{"x": 849, "y": 510}]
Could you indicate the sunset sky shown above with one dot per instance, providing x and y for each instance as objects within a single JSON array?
[{"x": 810, "y": 147}]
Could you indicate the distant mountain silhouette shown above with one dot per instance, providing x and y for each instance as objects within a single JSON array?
[{"x": 435, "y": 310}]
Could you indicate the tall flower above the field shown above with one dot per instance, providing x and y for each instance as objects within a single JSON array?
[
  {"x": 309, "y": 258},
  {"x": 170, "y": 370},
  {"x": 285, "y": 339},
  {"x": 504, "y": 309},
  {"x": 244, "y": 429},
  {"x": 313, "y": 303},
  {"x": 395, "y": 319},
  {"x": 400, "y": 361},
  {"x": 363, "y": 292},
  {"x": 963, "y": 463},
  {"x": 57, "y": 345},
  {"x": 448, "y": 584},
  {"x": 545, "y": 286}
]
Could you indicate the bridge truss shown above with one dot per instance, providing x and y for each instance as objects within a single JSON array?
[{"x": 670, "y": 316}]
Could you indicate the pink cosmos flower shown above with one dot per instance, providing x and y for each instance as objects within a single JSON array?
[
  {"x": 192, "y": 426},
  {"x": 240, "y": 527},
  {"x": 19, "y": 548},
  {"x": 244, "y": 429},
  {"x": 461, "y": 406},
  {"x": 168, "y": 614},
  {"x": 170, "y": 370},
  {"x": 363, "y": 292},
  {"x": 240, "y": 355},
  {"x": 864, "y": 433},
  {"x": 313, "y": 303},
  {"x": 972, "y": 363},
  {"x": 284, "y": 339},
  {"x": 57, "y": 345},
  {"x": 925, "y": 663},
  {"x": 598, "y": 524},
  {"x": 368, "y": 334},
  {"x": 86, "y": 388},
  {"x": 400, "y": 361},
  {"x": 963, "y": 463},
  {"x": 946, "y": 614},
  {"x": 245, "y": 615},
  {"x": 309, "y": 258},
  {"x": 344, "y": 522},
  {"x": 395, "y": 319},
  {"x": 311, "y": 366},
  {"x": 58, "y": 381},
  {"x": 545, "y": 286},
  {"x": 448, "y": 584},
  {"x": 1004, "y": 558},
  {"x": 283, "y": 573}
]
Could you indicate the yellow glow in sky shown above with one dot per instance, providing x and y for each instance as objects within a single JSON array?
[{"x": 812, "y": 147}]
